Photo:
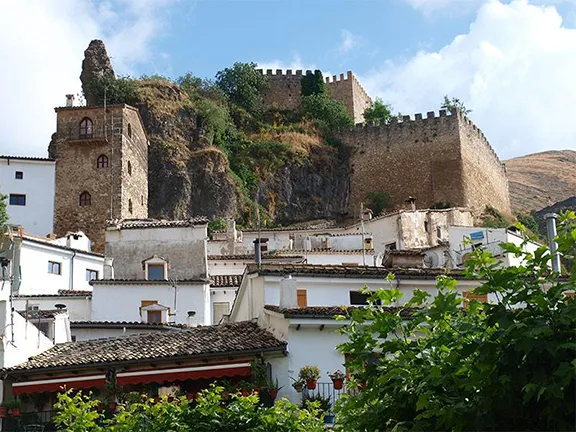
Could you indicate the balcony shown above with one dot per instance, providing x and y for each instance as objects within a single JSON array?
[
  {"x": 97, "y": 133},
  {"x": 38, "y": 421},
  {"x": 327, "y": 394}
]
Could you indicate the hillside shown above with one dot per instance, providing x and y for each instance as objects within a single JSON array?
[{"x": 541, "y": 179}]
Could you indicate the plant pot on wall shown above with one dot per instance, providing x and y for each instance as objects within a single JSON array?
[
  {"x": 338, "y": 384},
  {"x": 3, "y": 412},
  {"x": 311, "y": 384},
  {"x": 15, "y": 412}
]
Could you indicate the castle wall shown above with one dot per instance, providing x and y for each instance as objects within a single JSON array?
[
  {"x": 349, "y": 91},
  {"x": 485, "y": 178},
  {"x": 419, "y": 158}
]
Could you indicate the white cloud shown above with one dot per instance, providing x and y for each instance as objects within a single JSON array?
[
  {"x": 349, "y": 41},
  {"x": 43, "y": 43},
  {"x": 427, "y": 6},
  {"x": 514, "y": 68},
  {"x": 295, "y": 64}
]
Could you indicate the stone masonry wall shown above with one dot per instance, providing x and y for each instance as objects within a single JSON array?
[
  {"x": 284, "y": 91},
  {"x": 77, "y": 171},
  {"x": 349, "y": 91},
  {"x": 485, "y": 179},
  {"x": 419, "y": 158}
]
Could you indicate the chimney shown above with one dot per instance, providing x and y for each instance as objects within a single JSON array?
[
  {"x": 108, "y": 268},
  {"x": 257, "y": 252},
  {"x": 69, "y": 100},
  {"x": 551, "y": 231},
  {"x": 191, "y": 319},
  {"x": 412, "y": 201},
  {"x": 288, "y": 293}
]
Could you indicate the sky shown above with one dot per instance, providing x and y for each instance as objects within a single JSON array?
[{"x": 513, "y": 63}]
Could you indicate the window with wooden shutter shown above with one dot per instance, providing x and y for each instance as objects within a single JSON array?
[
  {"x": 483, "y": 298},
  {"x": 302, "y": 298}
]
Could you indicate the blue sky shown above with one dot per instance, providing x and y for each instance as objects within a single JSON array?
[{"x": 512, "y": 62}]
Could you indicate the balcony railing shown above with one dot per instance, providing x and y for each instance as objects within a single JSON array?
[
  {"x": 326, "y": 391},
  {"x": 30, "y": 422},
  {"x": 97, "y": 132}
]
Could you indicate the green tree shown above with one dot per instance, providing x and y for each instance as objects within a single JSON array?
[
  {"x": 330, "y": 116},
  {"x": 313, "y": 83},
  {"x": 120, "y": 90},
  {"x": 378, "y": 201},
  {"x": 243, "y": 85},
  {"x": 453, "y": 105},
  {"x": 211, "y": 412},
  {"x": 3, "y": 212},
  {"x": 378, "y": 113},
  {"x": 508, "y": 365}
]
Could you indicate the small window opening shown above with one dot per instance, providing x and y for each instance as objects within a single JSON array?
[
  {"x": 91, "y": 275},
  {"x": 102, "y": 161},
  {"x": 129, "y": 130},
  {"x": 85, "y": 199},
  {"x": 130, "y": 206},
  {"x": 85, "y": 128},
  {"x": 54, "y": 267},
  {"x": 19, "y": 175},
  {"x": 426, "y": 226},
  {"x": 17, "y": 199},
  {"x": 129, "y": 168}
]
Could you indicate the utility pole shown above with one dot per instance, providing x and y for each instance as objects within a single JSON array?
[{"x": 363, "y": 234}]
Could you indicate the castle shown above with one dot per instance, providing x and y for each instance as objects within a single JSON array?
[
  {"x": 102, "y": 159},
  {"x": 438, "y": 160}
]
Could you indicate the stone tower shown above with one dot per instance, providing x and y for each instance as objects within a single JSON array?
[{"x": 101, "y": 169}]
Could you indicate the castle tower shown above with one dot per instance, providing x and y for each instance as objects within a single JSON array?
[{"x": 101, "y": 169}]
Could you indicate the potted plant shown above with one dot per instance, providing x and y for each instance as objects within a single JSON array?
[
  {"x": 337, "y": 378},
  {"x": 4, "y": 409},
  {"x": 273, "y": 388},
  {"x": 310, "y": 374},
  {"x": 298, "y": 385},
  {"x": 14, "y": 406}
]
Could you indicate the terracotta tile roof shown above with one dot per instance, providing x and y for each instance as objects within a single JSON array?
[
  {"x": 222, "y": 281},
  {"x": 41, "y": 313},
  {"x": 155, "y": 223},
  {"x": 61, "y": 293},
  {"x": 127, "y": 324},
  {"x": 47, "y": 242},
  {"x": 322, "y": 312},
  {"x": 196, "y": 281},
  {"x": 405, "y": 252},
  {"x": 95, "y": 107},
  {"x": 251, "y": 257},
  {"x": 27, "y": 158},
  {"x": 222, "y": 339},
  {"x": 331, "y": 251},
  {"x": 352, "y": 271}
]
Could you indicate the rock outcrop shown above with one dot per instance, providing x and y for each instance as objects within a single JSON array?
[{"x": 96, "y": 64}]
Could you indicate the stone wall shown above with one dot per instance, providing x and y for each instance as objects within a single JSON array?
[
  {"x": 284, "y": 91},
  {"x": 437, "y": 159},
  {"x": 77, "y": 171}
]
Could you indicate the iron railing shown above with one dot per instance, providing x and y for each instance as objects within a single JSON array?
[
  {"x": 30, "y": 421},
  {"x": 97, "y": 132},
  {"x": 326, "y": 391}
]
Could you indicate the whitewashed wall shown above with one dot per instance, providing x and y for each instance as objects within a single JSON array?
[
  {"x": 37, "y": 216},
  {"x": 118, "y": 301},
  {"x": 79, "y": 308},
  {"x": 82, "y": 334},
  {"x": 34, "y": 258}
]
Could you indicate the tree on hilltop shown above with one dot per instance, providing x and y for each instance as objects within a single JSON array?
[
  {"x": 243, "y": 86},
  {"x": 313, "y": 83},
  {"x": 453, "y": 105}
]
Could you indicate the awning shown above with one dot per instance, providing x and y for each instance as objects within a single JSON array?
[{"x": 208, "y": 371}]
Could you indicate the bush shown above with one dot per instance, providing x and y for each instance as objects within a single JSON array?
[
  {"x": 492, "y": 218},
  {"x": 243, "y": 86},
  {"x": 329, "y": 115},
  {"x": 210, "y": 412},
  {"x": 313, "y": 83},
  {"x": 378, "y": 201},
  {"x": 121, "y": 90},
  {"x": 507, "y": 365},
  {"x": 378, "y": 113}
]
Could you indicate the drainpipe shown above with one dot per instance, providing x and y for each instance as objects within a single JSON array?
[
  {"x": 551, "y": 230},
  {"x": 71, "y": 281}
]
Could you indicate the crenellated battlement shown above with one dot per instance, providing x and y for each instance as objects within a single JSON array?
[{"x": 282, "y": 72}]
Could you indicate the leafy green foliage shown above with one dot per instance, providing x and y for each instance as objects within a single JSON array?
[
  {"x": 217, "y": 224},
  {"x": 243, "y": 86},
  {"x": 529, "y": 222},
  {"x": 213, "y": 411},
  {"x": 3, "y": 211},
  {"x": 329, "y": 115},
  {"x": 378, "y": 202},
  {"x": 507, "y": 365},
  {"x": 120, "y": 90},
  {"x": 313, "y": 83},
  {"x": 453, "y": 105},
  {"x": 378, "y": 113},
  {"x": 441, "y": 205},
  {"x": 492, "y": 218}
]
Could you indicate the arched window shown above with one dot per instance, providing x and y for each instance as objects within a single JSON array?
[
  {"x": 85, "y": 128},
  {"x": 85, "y": 199},
  {"x": 102, "y": 161},
  {"x": 129, "y": 168},
  {"x": 130, "y": 206}
]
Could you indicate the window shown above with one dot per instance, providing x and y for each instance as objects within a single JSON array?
[
  {"x": 130, "y": 205},
  {"x": 85, "y": 199},
  {"x": 18, "y": 199},
  {"x": 302, "y": 297},
  {"x": 129, "y": 168},
  {"x": 129, "y": 130},
  {"x": 426, "y": 226},
  {"x": 154, "y": 317},
  {"x": 85, "y": 128},
  {"x": 390, "y": 246},
  {"x": 142, "y": 199},
  {"x": 219, "y": 309},
  {"x": 438, "y": 232},
  {"x": 73, "y": 338},
  {"x": 91, "y": 274},
  {"x": 102, "y": 161},
  {"x": 19, "y": 175},
  {"x": 358, "y": 298},
  {"x": 54, "y": 267},
  {"x": 156, "y": 272}
]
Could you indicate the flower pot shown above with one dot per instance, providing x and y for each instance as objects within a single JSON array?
[
  {"x": 338, "y": 383},
  {"x": 15, "y": 412},
  {"x": 190, "y": 396},
  {"x": 157, "y": 399},
  {"x": 298, "y": 388},
  {"x": 273, "y": 394},
  {"x": 311, "y": 384},
  {"x": 3, "y": 412},
  {"x": 245, "y": 392},
  {"x": 112, "y": 406},
  {"x": 170, "y": 398},
  {"x": 329, "y": 419}
]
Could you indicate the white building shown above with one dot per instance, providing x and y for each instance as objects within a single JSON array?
[{"x": 29, "y": 184}]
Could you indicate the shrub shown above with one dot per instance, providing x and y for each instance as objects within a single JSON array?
[
  {"x": 378, "y": 201},
  {"x": 120, "y": 90},
  {"x": 243, "y": 86},
  {"x": 378, "y": 113},
  {"x": 329, "y": 115},
  {"x": 313, "y": 83}
]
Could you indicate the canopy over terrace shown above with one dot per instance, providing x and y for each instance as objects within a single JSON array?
[{"x": 209, "y": 353}]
